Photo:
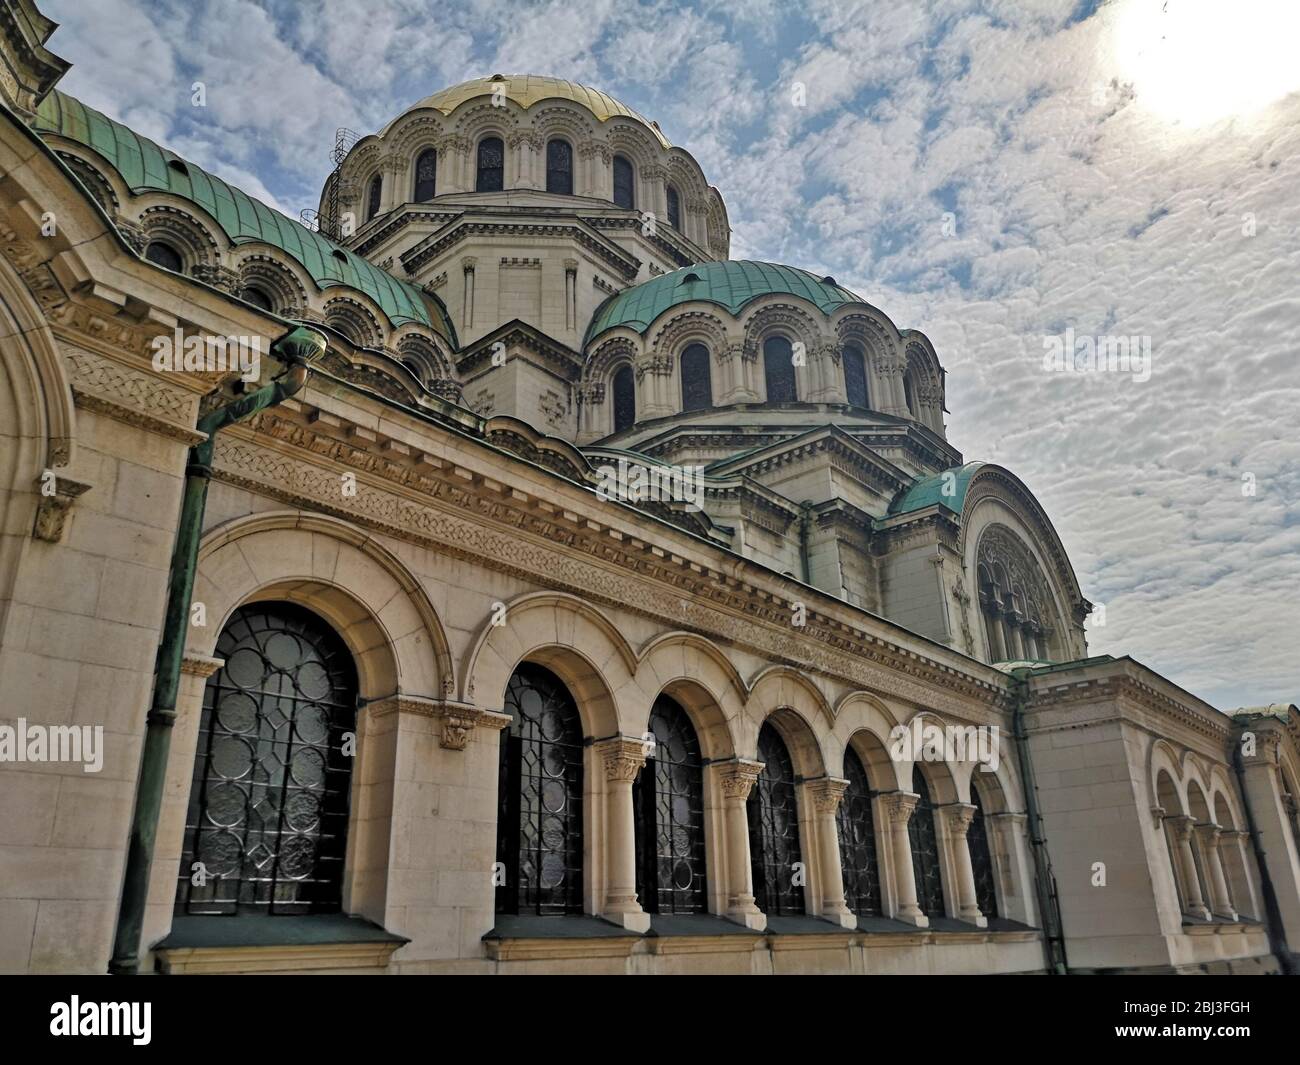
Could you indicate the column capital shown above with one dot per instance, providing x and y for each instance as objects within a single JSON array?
[
  {"x": 899, "y": 805},
  {"x": 826, "y": 793},
  {"x": 623, "y": 757},
  {"x": 959, "y": 816},
  {"x": 198, "y": 665},
  {"x": 737, "y": 777},
  {"x": 1208, "y": 831},
  {"x": 1182, "y": 826}
]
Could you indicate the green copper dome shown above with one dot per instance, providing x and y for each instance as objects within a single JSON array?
[
  {"x": 730, "y": 284},
  {"x": 145, "y": 167}
]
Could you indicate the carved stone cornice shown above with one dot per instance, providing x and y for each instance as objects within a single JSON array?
[
  {"x": 469, "y": 516},
  {"x": 133, "y": 396},
  {"x": 438, "y": 244}
]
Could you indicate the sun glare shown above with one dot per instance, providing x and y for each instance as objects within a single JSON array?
[{"x": 1197, "y": 61}]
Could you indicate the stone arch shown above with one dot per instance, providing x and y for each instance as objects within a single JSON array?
[
  {"x": 277, "y": 278},
  {"x": 339, "y": 571},
  {"x": 354, "y": 321},
  {"x": 864, "y": 723},
  {"x": 96, "y": 181},
  {"x": 631, "y": 139},
  {"x": 1163, "y": 758},
  {"x": 940, "y": 777},
  {"x": 419, "y": 348},
  {"x": 193, "y": 240},
  {"x": 702, "y": 679},
  {"x": 571, "y": 638},
  {"x": 799, "y": 711},
  {"x": 37, "y": 420}
]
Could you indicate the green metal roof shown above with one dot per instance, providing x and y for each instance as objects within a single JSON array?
[
  {"x": 941, "y": 488},
  {"x": 730, "y": 284},
  {"x": 146, "y": 167}
]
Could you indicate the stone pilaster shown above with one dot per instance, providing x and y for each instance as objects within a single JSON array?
[
  {"x": 957, "y": 819},
  {"x": 826, "y": 795},
  {"x": 622, "y": 758},
  {"x": 898, "y": 807},
  {"x": 737, "y": 779}
]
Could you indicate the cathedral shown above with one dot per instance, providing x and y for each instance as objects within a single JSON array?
[{"x": 486, "y": 573}]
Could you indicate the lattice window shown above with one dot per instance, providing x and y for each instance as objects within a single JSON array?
[
  {"x": 697, "y": 382},
  {"x": 774, "y": 829},
  {"x": 624, "y": 399},
  {"x": 674, "y": 208},
  {"x": 981, "y": 860},
  {"x": 539, "y": 818},
  {"x": 164, "y": 255},
  {"x": 855, "y": 376},
  {"x": 668, "y": 798},
  {"x": 491, "y": 165},
  {"x": 559, "y": 167},
  {"x": 857, "y": 833},
  {"x": 624, "y": 183},
  {"x": 778, "y": 370},
  {"x": 426, "y": 175},
  {"x": 925, "y": 850},
  {"x": 268, "y": 810}
]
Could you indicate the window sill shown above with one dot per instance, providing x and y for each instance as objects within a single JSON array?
[{"x": 274, "y": 944}]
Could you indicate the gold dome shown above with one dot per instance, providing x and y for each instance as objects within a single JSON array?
[{"x": 528, "y": 89}]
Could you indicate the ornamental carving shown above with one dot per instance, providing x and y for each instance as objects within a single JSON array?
[
  {"x": 622, "y": 758},
  {"x": 737, "y": 778},
  {"x": 827, "y": 793},
  {"x": 898, "y": 806}
]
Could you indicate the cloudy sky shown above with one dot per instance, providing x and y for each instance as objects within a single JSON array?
[{"x": 992, "y": 172}]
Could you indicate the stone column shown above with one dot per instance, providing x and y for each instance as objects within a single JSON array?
[
  {"x": 737, "y": 778},
  {"x": 826, "y": 796},
  {"x": 1242, "y": 878},
  {"x": 623, "y": 758},
  {"x": 1181, "y": 827},
  {"x": 898, "y": 807},
  {"x": 957, "y": 818},
  {"x": 1207, "y": 838},
  {"x": 1261, "y": 739}
]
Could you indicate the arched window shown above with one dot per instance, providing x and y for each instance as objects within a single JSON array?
[
  {"x": 855, "y": 375},
  {"x": 981, "y": 858},
  {"x": 697, "y": 384},
  {"x": 268, "y": 810},
  {"x": 624, "y": 399},
  {"x": 559, "y": 167},
  {"x": 254, "y": 295},
  {"x": 624, "y": 183},
  {"x": 857, "y": 832},
  {"x": 674, "y": 208},
  {"x": 774, "y": 829},
  {"x": 491, "y": 165},
  {"x": 164, "y": 255},
  {"x": 426, "y": 175},
  {"x": 668, "y": 797},
  {"x": 909, "y": 393},
  {"x": 374, "y": 197},
  {"x": 925, "y": 850},
  {"x": 539, "y": 814},
  {"x": 778, "y": 370}
]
